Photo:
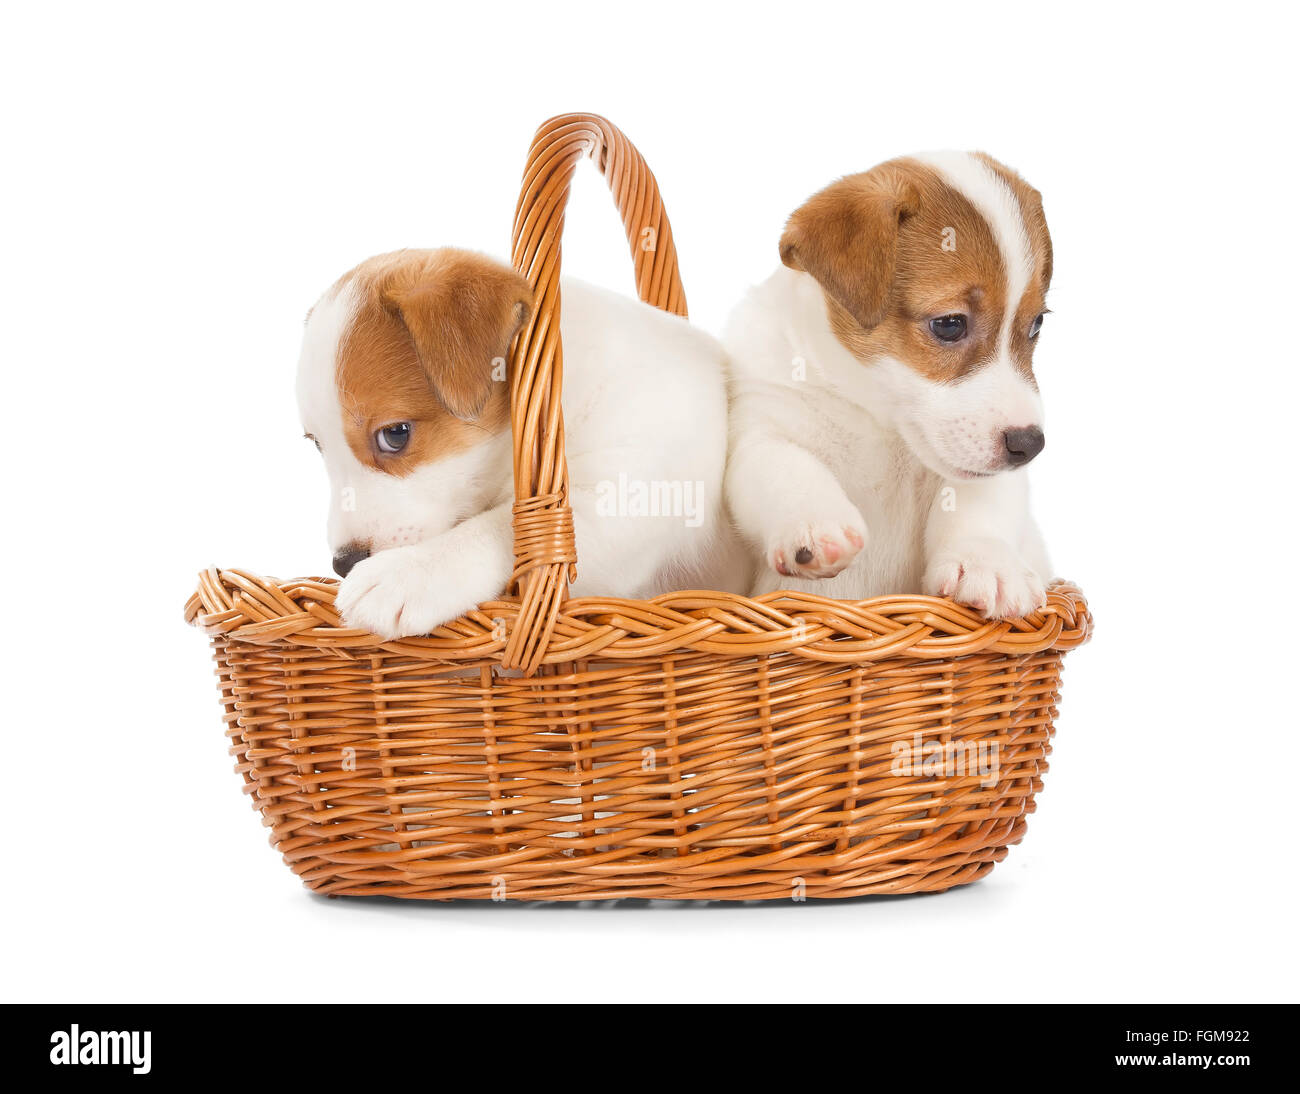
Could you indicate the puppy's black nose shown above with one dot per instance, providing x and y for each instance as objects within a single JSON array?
[
  {"x": 1023, "y": 444},
  {"x": 349, "y": 557}
]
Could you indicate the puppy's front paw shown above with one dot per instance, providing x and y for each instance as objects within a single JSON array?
[
  {"x": 400, "y": 592},
  {"x": 988, "y": 575},
  {"x": 817, "y": 548}
]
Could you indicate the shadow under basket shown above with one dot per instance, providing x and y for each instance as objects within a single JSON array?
[{"x": 699, "y": 745}]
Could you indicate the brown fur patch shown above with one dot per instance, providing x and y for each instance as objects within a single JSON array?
[
  {"x": 420, "y": 349},
  {"x": 846, "y": 236},
  {"x": 875, "y": 242}
]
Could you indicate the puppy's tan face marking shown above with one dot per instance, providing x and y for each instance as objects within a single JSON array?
[
  {"x": 939, "y": 266},
  {"x": 924, "y": 252},
  {"x": 402, "y": 385},
  {"x": 425, "y": 351}
]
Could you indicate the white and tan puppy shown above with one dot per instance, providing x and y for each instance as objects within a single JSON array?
[
  {"x": 402, "y": 385},
  {"x": 884, "y": 402}
]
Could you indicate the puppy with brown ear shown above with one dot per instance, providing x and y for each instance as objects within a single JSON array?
[
  {"x": 403, "y": 386},
  {"x": 884, "y": 402}
]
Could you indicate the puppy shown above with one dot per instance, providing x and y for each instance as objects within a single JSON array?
[
  {"x": 884, "y": 404},
  {"x": 403, "y": 386}
]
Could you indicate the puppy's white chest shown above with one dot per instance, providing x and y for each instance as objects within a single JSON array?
[
  {"x": 893, "y": 493},
  {"x": 891, "y": 490}
]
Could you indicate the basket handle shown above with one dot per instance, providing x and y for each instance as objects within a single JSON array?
[{"x": 545, "y": 555}]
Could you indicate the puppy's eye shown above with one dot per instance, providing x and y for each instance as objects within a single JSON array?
[
  {"x": 949, "y": 328},
  {"x": 1035, "y": 327},
  {"x": 393, "y": 438}
]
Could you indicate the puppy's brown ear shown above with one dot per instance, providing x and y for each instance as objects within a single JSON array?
[
  {"x": 846, "y": 236},
  {"x": 462, "y": 311}
]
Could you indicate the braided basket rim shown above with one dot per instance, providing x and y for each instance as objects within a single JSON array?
[{"x": 246, "y": 607}]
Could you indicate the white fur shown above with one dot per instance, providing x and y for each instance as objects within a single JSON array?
[
  {"x": 644, "y": 399},
  {"x": 826, "y": 448}
]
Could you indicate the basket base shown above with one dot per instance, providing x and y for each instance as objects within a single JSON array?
[{"x": 896, "y": 877}]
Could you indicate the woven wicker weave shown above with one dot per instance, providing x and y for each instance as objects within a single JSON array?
[{"x": 698, "y": 745}]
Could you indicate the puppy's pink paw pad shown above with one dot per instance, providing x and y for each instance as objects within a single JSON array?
[{"x": 816, "y": 549}]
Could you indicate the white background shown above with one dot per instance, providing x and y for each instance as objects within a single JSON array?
[{"x": 180, "y": 184}]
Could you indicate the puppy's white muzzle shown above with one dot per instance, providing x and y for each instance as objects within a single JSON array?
[{"x": 987, "y": 422}]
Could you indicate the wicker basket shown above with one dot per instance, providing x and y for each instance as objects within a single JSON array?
[{"x": 699, "y": 745}]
